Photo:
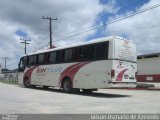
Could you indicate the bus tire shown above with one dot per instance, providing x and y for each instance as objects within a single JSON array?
[
  {"x": 27, "y": 83},
  {"x": 67, "y": 85}
]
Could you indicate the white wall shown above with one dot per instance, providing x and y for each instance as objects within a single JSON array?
[{"x": 149, "y": 66}]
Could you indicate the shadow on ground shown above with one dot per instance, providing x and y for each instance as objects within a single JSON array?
[{"x": 93, "y": 94}]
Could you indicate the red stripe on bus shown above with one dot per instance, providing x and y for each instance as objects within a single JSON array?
[
  {"x": 143, "y": 78},
  {"x": 68, "y": 69},
  {"x": 71, "y": 71},
  {"x": 28, "y": 73},
  {"x": 120, "y": 75}
]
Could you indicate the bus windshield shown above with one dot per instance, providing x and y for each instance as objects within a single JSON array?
[{"x": 22, "y": 64}]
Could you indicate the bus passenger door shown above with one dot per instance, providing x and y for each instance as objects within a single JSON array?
[{"x": 21, "y": 69}]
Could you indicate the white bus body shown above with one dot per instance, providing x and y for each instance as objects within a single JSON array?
[
  {"x": 116, "y": 69},
  {"x": 149, "y": 69}
]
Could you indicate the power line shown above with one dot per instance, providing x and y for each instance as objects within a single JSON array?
[
  {"x": 111, "y": 22},
  {"x": 103, "y": 14},
  {"x": 12, "y": 63},
  {"x": 50, "y": 27},
  {"x": 144, "y": 27},
  {"x": 5, "y": 65},
  {"x": 139, "y": 28}
]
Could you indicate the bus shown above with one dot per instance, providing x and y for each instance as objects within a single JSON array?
[{"x": 100, "y": 63}]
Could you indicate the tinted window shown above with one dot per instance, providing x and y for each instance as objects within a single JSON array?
[
  {"x": 97, "y": 51},
  {"x": 68, "y": 55},
  {"x": 35, "y": 59},
  {"x": 74, "y": 54},
  {"x": 52, "y": 57},
  {"x": 60, "y": 56},
  {"x": 86, "y": 52},
  {"x": 30, "y": 60},
  {"x": 24, "y": 62},
  {"x": 101, "y": 50},
  {"x": 41, "y": 59},
  {"x": 89, "y": 52}
]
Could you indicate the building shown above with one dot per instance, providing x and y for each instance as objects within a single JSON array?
[
  {"x": 149, "y": 69},
  {"x": 1, "y": 75}
]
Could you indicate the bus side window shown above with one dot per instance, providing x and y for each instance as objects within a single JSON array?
[
  {"x": 31, "y": 60},
  {"x": 89, "y": 52},
  {"x": 27, "y": 61},
  {"x": 101, "y": 50},
  {"x": 35, "y": 59},
  {"x": 46, "y": 58},
  {"x": 41, "y": 59},
  {"x": 86, "y": 52},
  {"x": 52, "y": 57},
  {"x": 68, "y": 55},
  {"x": 60, "y": 56},
  {"x": 80, "y": 53},
  {"x": 24, "y": 62},
  {"x": 74, "y": 54}
]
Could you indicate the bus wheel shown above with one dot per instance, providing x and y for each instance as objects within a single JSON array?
[
  {"x": 27, "y": 83},
  {"x": 67, "y": 85}
]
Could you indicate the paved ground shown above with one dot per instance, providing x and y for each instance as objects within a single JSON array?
[{"x": 15, "y": 99}]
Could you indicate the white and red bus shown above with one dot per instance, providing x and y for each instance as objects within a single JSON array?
[
  {"x": 101, "y": 63},
  {"x": 149, "y": 69}
]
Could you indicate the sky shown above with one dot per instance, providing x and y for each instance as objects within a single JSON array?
[{"x": 21, "y": 19}]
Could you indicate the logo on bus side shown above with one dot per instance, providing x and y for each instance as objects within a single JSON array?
[
  {"x": 126, "y": 45},
  {"x": 49, "y": 70}
]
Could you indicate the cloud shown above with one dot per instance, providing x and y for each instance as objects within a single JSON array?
[
  {"x": 74, "y": 16},
  {"x": 21, "y": 16},
  {"x": 142, "y": 28}
]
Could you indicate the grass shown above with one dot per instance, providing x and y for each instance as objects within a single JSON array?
[{"x": 8, "y": 82}]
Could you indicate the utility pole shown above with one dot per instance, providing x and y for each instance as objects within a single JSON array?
[
  {"x": 5, "y": 62},
  {"x": 25, "y": 44},
  {"x": 50, "y": 27},
  {"x": 5, "y": 65}
]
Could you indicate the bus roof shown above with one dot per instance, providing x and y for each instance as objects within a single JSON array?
[
  {"x": 80, "y": 44},
  {"x": 151, "y": 55}
]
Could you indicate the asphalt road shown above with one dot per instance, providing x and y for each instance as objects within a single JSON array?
[{"x": 16, "y": 100}]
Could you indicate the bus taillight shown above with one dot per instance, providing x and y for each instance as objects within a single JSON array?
[{"x": 112, "y": 73}]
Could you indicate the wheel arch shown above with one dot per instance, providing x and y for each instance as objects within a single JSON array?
[
  {"x": 64, "y": 78},
  {"x": 24, "y": 78}
]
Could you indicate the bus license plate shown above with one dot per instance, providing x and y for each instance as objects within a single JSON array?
[{"x": 126, "y": 76}]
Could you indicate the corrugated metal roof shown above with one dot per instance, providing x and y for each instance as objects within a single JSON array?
[{"x": 151, "y": 55}]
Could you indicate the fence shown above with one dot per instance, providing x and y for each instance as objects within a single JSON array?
[{"x": 9, "y": 78}]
